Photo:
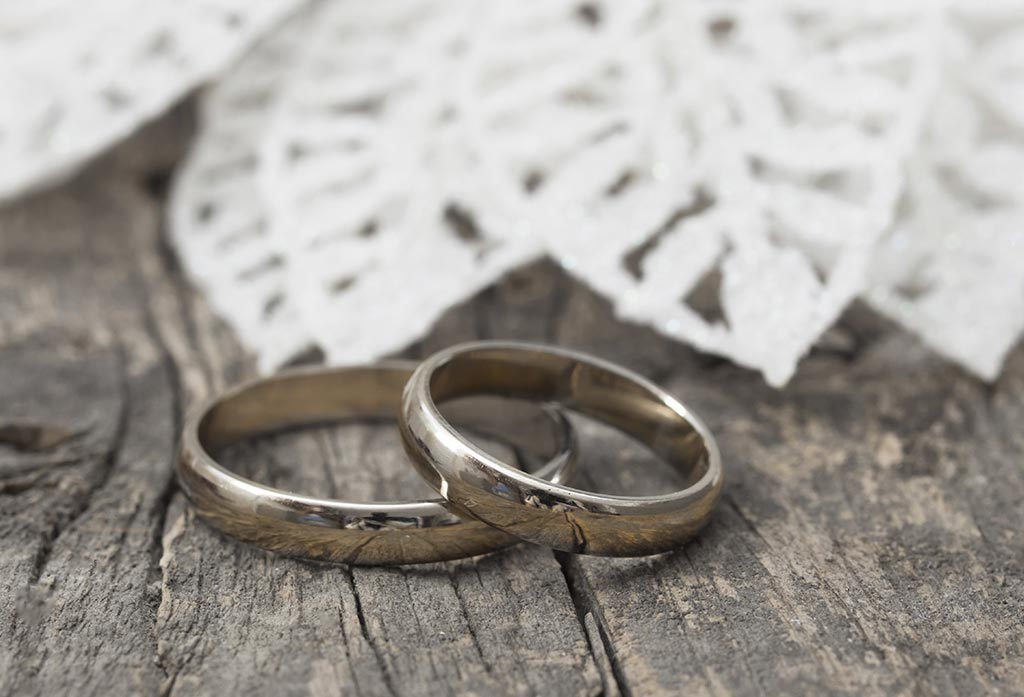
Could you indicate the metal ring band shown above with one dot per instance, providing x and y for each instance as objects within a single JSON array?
[
  {"x": 324, "y": 529},
  {"x": 567, "y": 519}
]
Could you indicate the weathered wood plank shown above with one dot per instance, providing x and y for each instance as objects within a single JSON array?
[
  {"x": 81, "y": 518},
  {"x": 870, "y": 540}
]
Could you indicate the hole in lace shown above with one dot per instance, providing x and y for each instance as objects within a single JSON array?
[
  {"x": 343, "y": 284},
  {"x": 533, "y": 181},
  {"x": 205, "y": 212},
  {"x": 620, "y": 185},
  {"x": 589, "y": 14},
  {"x": 705, "y": 298},
  {"x": 462, "y": 223},
  {"x": 633, "y": 261},
  {"x": 369, "y": 229},
  {"x": 273, "y": 304},
  {"x": 721, "y": 29},
  {"x": 912, "y": 289}
]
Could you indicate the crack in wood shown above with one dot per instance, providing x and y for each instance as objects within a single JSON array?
[
  {"x": 585, "y": 604},
  {"x": 82, "y": 502},
  {"x": 33, "y": 437},
  {"x": 367, "y": 637}
]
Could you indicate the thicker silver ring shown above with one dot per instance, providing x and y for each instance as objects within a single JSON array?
[{"x": 480, "y": 485}]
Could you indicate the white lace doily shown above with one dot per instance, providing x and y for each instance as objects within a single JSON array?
[
  {"x": 75, "y": 77},
  {"x": 952, "y": 268},
  {"x": 732, "y": 173}
]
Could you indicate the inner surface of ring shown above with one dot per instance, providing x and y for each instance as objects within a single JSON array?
[
  {"x": 302, "y": 399},
  {"x": 591, "y": 390},
  {"x": 362, "y": 393}
]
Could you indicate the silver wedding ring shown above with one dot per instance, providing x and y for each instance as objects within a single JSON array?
[
  {"x": 325, "y": 529},
  {"x": 552, "y": 514}
]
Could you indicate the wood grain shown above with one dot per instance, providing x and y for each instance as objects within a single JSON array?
[{"x": 870, "y": 540}]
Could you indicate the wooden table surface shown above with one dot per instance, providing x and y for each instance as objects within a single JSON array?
[{"x": 869, "y": 540}]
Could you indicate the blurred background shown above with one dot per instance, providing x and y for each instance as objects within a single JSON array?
[{"x": 732, "y": 174}]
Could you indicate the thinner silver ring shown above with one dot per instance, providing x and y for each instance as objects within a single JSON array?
[{"x": 326, "y": 529}]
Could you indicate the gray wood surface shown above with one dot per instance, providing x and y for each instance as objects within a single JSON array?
[{"x": 870, "y": 539}]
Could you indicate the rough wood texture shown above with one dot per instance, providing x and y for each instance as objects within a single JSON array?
[{"x": 870, "y": 540}]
